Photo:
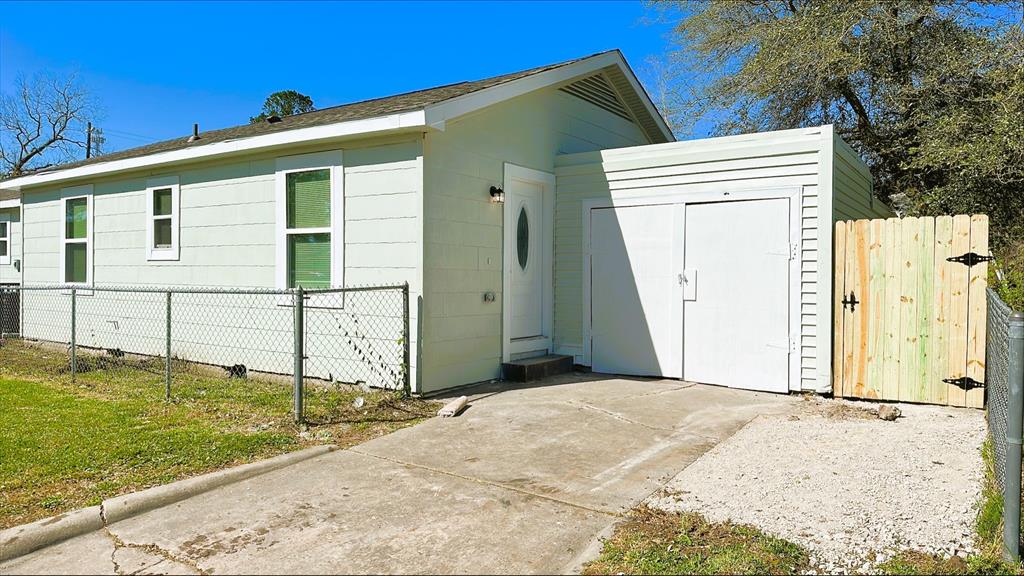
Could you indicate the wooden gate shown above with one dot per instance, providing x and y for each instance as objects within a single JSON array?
[{"x": 910, "y": 309}]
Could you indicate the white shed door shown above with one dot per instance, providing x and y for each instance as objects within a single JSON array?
[
  {"x": 636, "y": 300},
  {"x": 736, "y": 319}
]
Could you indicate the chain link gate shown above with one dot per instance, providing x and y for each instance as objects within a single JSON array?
[{"x": 172, "y": 336}]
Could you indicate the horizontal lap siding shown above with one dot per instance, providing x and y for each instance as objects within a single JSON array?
[
  {"x": 788, "y": 159},
  {"x": 9, "y": 274},
  {"x": 228, "y": 239},
  {"x": 853, "y": 198},
  {"x": 462, "y": 334}
]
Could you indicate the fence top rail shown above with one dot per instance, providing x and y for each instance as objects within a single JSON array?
[{"x": 195, "y": 289}]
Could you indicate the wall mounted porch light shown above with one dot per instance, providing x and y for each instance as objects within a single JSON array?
[{"x": 497, "y": 195}]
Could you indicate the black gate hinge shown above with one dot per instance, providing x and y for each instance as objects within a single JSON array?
[
  {"x": 965, "y": 382},
  {"x": 970, "y": 259}
]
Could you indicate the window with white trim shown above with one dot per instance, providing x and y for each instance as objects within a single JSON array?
[
  {"x": 5, "y": 241},
  {"x": 309, "y": 221},
  {"x": 163, "y": 199},
  {"x": 308, "y": 228},
  {"x": 76, "y": 244}
]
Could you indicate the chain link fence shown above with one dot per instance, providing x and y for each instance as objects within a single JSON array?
[
  {"x": 179, "y": 336},
  {"x": 1004, "y": 384}
]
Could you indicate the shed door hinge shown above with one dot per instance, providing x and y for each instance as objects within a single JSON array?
[
  {"x": 970, "y": 259},
  {"x": 964, "y": 382}
]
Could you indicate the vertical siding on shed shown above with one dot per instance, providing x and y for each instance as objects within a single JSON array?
[
  {"x": 462, "y": 335},
  {"x": 757, "y": 161}
]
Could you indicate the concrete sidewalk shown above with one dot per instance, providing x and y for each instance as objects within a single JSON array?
[{"x": 524, "y": 481}]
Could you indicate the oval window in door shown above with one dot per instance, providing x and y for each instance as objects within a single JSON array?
[{"x": 523, "y": 238}]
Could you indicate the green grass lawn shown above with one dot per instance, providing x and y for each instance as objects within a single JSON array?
[{"x": 65, "y": 445}]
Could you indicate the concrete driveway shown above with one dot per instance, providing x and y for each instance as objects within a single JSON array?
[{"x": 524, "y": 481}]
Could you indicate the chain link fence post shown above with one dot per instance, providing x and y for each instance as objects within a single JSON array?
[
  {"x": 406, "y": 345},
  {"x": 1014, "y": 432},
  {"x": 299, "y": 352},
  {"x": 167, "y": 359},
  {"x": 74, "y": 327}
]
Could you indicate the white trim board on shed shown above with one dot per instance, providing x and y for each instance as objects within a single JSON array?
[{"x": 821, "y": 173}]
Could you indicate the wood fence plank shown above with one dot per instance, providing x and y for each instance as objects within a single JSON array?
[
  {"x": 874, "y": 300},
  {"x": 959, "y": 276},
  {"x": 891, "y": 352},
  {"x": 977, "y": 310},
  {"x": 838, "y": 288},
  {"x": 909, "y": 362},
  {"x": 925, "y": 307},
  {"x": 848, "y": 334},
  {"x": 859, "y": 313},
  {"x": 939, "y": 361}
]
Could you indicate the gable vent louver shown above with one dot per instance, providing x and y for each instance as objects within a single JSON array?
[{"x": 596, "y": 90}]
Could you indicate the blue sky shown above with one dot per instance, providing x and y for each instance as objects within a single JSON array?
[{"x": 158, "y": 67}]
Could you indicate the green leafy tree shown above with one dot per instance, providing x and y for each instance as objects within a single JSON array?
[
  {"x": 284, "y": 103},
  {"x": 930, "y": 92}
]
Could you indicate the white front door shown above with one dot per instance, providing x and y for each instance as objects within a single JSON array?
[
  {"x": 736, "y": 313},
  {"x": 526, "y": 238},
  {"x": 636, "y": 299}
]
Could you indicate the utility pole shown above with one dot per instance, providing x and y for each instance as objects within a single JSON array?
[{"x": 88, "y": 140}]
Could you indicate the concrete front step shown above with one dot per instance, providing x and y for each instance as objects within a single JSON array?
[{"x": 536, "y": 368}]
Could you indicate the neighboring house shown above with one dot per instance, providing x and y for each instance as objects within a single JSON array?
[
  {"x": 403, "y": 189},
  {"x": 10, "y": 238}
]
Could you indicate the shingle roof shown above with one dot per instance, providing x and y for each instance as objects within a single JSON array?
[{"x": 345, "y": 112}]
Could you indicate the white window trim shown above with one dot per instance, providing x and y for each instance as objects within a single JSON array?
[
  {"x": 174, "y": 252},
  {"x": 332, "y": 161},
  {"x": 6, "y": 237},
  {"x": 74, "y": 194}
]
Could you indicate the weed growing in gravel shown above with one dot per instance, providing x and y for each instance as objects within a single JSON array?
[
  {"x": 912, "y": 562},
  {"x": 656, "y": 542},
  {"x": 990, "y": 511},
  {"x": 989, "y": 528}
]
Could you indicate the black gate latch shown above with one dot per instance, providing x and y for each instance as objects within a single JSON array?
[
  {"x": 970, "y": 259},
  {"x": 851, "y": 301},
  {"x": 965, "y": 382}
]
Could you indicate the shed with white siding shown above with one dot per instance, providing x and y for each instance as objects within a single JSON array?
[{"x": 707, "y": 260}]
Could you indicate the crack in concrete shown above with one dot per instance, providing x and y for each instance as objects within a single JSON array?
[
  {"x": 151, "y": 549},
  {"x": 674, "y": 388},
  {"x": 491, "y": 483},
  {"x": 674, "y": 430},
  {"x": 617, "y": 416}
]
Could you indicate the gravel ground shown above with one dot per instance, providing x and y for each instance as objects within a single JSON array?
[{"x": 846, "y": 485}]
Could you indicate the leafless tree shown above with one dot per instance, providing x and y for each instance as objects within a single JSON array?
[{"x": 43, "y": 122}]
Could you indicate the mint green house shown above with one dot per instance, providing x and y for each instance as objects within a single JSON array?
[
  {"x": 385, "y": 191},
  {"x": 544, "y": 212}
]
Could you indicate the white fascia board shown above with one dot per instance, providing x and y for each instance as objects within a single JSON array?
[
  {"x": 467, "y": 103},
  {"x": 438, "y": 114},
  {"x": 627, "y": 70},
  {"x": 15, "y": 203},
  {"x": 313, "y": 134}
]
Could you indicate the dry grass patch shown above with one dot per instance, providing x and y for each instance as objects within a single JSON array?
[{"x": 655, "y": 542}]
